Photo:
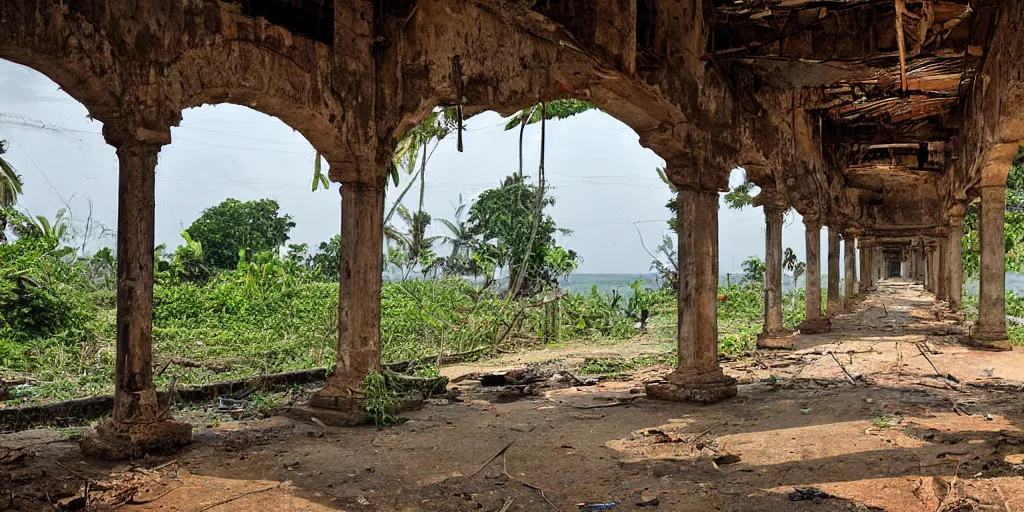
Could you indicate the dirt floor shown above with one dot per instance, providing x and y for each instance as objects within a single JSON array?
[{"x": 887, "y": 412}]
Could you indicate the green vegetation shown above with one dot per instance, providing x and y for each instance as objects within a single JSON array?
[
  {"x": 234, "y": 299},
  {"x": 1014, "y": 226},
  {"x": 235, "y": 228},
  {"x": 381, "y": 402}
]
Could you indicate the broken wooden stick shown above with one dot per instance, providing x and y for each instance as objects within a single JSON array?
[
  {"x": 495, "y": 456},
  {"x": 925, "y": 354},
  {"x": 846, "y": 372},
  {"x": 240, "y": 496},
  {"x": 504, "y": 471}
]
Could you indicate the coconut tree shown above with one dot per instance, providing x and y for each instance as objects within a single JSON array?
[
  {"x": 10, "y": 188},
  {"x": 793, "y": 264},
  {"x": 556, "y": 109}
]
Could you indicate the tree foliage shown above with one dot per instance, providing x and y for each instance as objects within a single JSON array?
[
  {"x": 10, "y": 188},
  {"x": 234, "y": 226},
  {"x": 753, "y": 270},
  {"x": 503, "y": 221},
  {"x": 1014, "y": 228}
]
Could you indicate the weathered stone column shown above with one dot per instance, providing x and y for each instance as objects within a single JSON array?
[
  {"x": 911, "y": 258},
  {"x": 140, "y": 423},
  {"x": 941, "y": 274},
  {"x": 932, "y": 267},
  {"x": 990, "y": 331},
  {"x": 922, "y": 264},
  {"x": 814, "y": 323},
  {"x": 850, "y": 264},
  {"x": 698, "y": 378},
  {"x": 954, "y": 259},
  {"x": 835, "y": 302},
  {"x": 876, "y": 266},
  {"x": 865, "y": 266},
  {"x": 360, "y": 276},
  {"x": 773, "y": 333}
]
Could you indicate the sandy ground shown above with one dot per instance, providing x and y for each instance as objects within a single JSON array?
[{"x": 887, "y": 412}]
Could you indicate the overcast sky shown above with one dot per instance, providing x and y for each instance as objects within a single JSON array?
[{"x": 603, "y": 180}]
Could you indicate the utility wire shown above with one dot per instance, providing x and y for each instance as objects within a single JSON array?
[{"x": 34, "y": 164}]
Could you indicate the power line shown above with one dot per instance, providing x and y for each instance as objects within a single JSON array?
[{"x": 34, "y": 164}]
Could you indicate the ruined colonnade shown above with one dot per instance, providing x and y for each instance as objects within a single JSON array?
[{"x": 353, "y": 75}]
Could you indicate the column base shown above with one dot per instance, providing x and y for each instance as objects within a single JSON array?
[
  {"x": 775, "y": 340},
  {"x": 331, "y": 408},
  {"x": 705, "y": 388},
  {"x": 819, "y": 326},
  {"x": 117, "y": 441},
  {"x": 989, "y": 339}
]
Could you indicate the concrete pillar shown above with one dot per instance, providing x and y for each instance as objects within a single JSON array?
[
  {"x": 361, "y": 267},
  {"x": 773, "y": 333},
  {"x": 865, "y": 266},
  {"x": 991, "y": 327},
  {"x": 834, "y": 304},
  {"x": 876, "y": 266},
  {"x": 911, "y": 264},
  {"x": 698, "y": 377},
  {"x": 941, "y": 274},
  {"x": 140, "y": 423},
  {"x": 922, "y": 264},
  {"x": 814, "y": 323},
  {"x": 954, "y": 263},
  {"x": 813, "y": 283},
  {"x": 850, "y": 263},
  {"x": 932, "y": 268}
]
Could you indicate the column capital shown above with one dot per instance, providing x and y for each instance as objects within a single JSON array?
[
  {"x": 127, "y": 135},
  {"x": 353, "y": 173},
  {"x": 958, "y": 209},
  {"x": 812, "y": 222},
  {"x": 697, "y": 171},
  {"x": 140, "y": 126}
]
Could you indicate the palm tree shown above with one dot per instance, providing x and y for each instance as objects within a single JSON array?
[
  {"x": 556, "y": 109},
  {"x": 460, "y": 238},
  {"x": 10, "y": 188},
  {"x": 793, "y": 264}
]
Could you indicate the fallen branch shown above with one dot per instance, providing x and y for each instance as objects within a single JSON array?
[
  {"x": 133, "y": 501},
  {"x": 73, "y": 472},
  {"x": 849, "y": 376},
  {"x": 504, "y": 471},
  {"x": 404, "y": 366},
  {"x": 925, "y": 354},
  {"x": 490, "y": 460},
  {"x": 240, "y": 496},
  {"x": 185, "y": 362},
  {"x": 610, "y": 404}
]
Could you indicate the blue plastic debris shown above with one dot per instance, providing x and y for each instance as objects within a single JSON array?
[{"x": 598, "y": 506}]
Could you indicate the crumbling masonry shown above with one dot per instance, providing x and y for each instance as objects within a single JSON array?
[{"x": 879, "y": 120}]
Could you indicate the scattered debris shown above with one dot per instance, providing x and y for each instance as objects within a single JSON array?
[
  {"x": 808, "y": 494},
  {"x": 597, "y": 506},
  {"x": 230, "y": 406},
  {"x": 648, "y": 500},
  {"x": 725, "y": 460}
]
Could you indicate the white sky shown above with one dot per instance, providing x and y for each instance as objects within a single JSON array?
[{"x": 602, "y": 179}]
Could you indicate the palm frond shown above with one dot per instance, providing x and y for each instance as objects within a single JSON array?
[{"x": 10, "y": 184}]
